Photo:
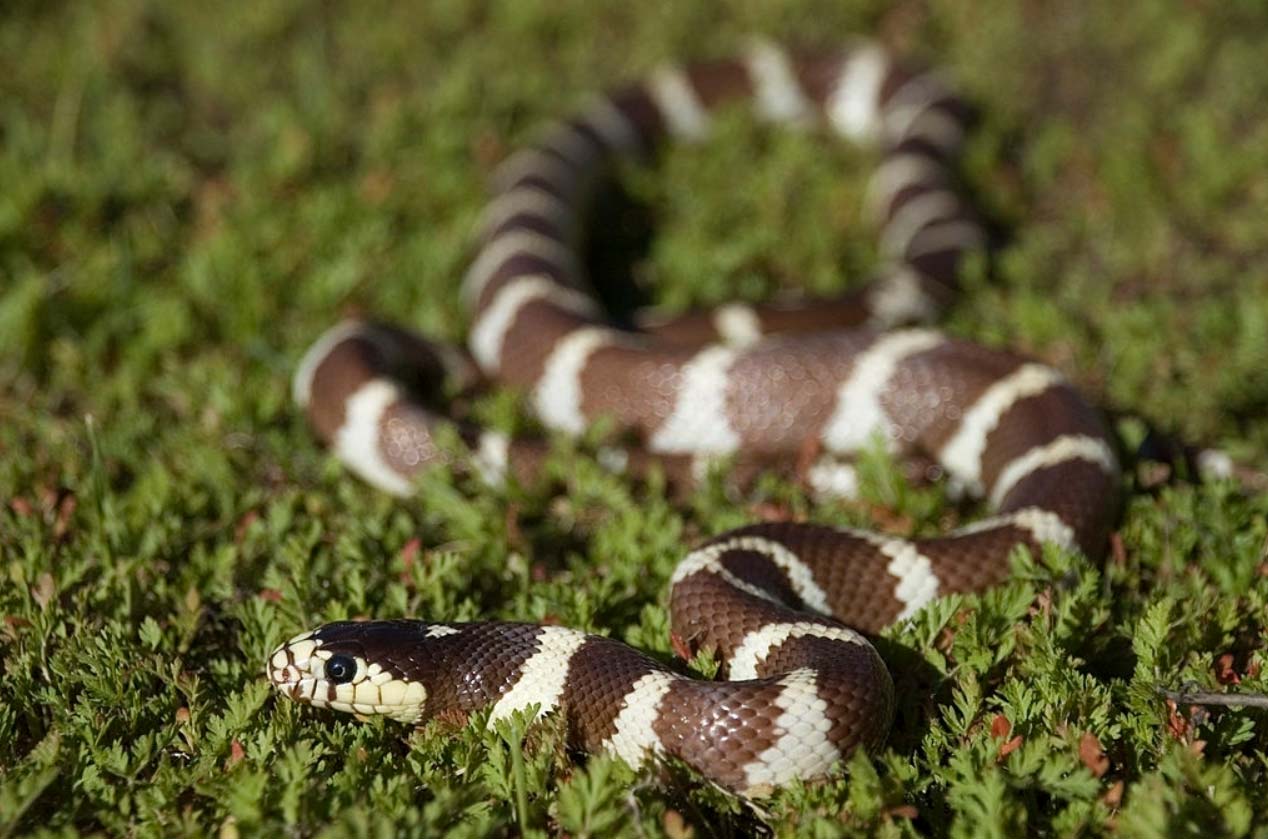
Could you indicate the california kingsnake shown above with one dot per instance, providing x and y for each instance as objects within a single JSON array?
[{"x": 804, "y": 688}]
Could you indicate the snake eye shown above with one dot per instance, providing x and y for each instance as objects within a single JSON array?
[{"x": 340, "y": 669}]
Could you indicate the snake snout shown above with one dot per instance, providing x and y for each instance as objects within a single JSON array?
[{"x": 292, "y": 668}]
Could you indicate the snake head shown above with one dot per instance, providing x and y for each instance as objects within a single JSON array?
[{"x": 337, "y": 666}]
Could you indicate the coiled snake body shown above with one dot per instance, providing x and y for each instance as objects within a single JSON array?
[{"x": 783, "y": 605}]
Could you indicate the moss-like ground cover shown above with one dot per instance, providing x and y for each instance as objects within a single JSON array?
[{"x": 189, "y": 193}]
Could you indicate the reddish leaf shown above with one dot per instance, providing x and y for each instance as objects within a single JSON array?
[
  {"x": 676, "y": 826},
  {"x": 1000, "y": 726},
  {"x": 376, "y": 186},
  {"x": 409, "y": 555},
  {"x": 244, "y": 524},
  {"x": 487, "y": 149},
  {"x": 455, "y": 717},
  {"x": 65, "y": 511},
  {"x": 1092, "y": 755},
  {"x": 770, "y": 511},
  {"x": 1225, "y": 671},
  {"x": 1005, "y": 749},
  {"x": 1176, "y": 724},
  {"x": 1043, "y": 604},
  {"x": 1114, "y": 795},
  {"x": 1117, "y": 549},
  {"x": 807, "y": 454},
  {"x": 888, "y": 520}
]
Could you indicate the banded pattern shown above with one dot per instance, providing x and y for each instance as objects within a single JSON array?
[{"x": 782, "y": 605}]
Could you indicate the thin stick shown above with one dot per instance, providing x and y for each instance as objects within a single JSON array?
[{"x": 1229, "y": 700}]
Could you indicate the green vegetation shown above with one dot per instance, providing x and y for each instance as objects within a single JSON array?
[{"x": 192, "y": 192}]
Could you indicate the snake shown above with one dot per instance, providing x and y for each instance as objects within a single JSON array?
[{"x": 797, "y": 387}]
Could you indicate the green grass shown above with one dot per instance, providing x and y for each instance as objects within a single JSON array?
[{"x": 189, "y": 197}]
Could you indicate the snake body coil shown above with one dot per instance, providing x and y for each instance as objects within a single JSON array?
[{"x": 782, "y": 604}]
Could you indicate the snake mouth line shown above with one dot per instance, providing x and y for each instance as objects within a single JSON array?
[{"x": 291, "y": 681}]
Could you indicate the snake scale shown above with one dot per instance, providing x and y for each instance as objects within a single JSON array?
[{"x": 784, "y": 606}]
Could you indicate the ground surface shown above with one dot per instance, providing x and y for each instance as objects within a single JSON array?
[{"x": 189, "y": 195}]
